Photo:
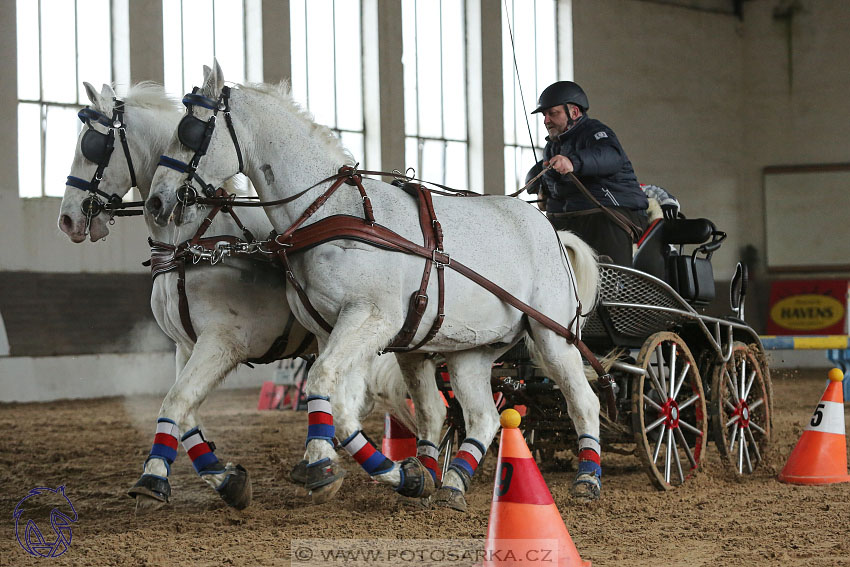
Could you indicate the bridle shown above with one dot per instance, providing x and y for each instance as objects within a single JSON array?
[
  {"x": 196, "y": 134},
  {"x": 97, "y": 147}
]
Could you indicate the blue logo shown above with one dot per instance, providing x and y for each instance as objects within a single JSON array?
[{"x": 38, "y": 505}]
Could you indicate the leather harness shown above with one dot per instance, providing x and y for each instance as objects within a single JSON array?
[
  {"x": 168, "y": 258},
  {"x": 295, "y": 239}
]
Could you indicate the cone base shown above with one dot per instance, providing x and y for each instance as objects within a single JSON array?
[{"x": 812, "y": 480}]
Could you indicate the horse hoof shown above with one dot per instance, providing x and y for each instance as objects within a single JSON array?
[
  {"x": 323, "y": 493},
  {"x": 586, "y": 488},
  {"x": 147, "y": 504},
  {"x": 447, "y": 497},
  {"x": 416, "y": 480},
  {"x": 324, "y": 479},
  {"x": 298, "y": 474},
  {"x": 151, "y": 493},
  {"x": 236, "y": 489}
]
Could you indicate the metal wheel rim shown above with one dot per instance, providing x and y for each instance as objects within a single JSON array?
[
  {"x": 669, "y": 417},
  {"x": 741, "y": 410}
]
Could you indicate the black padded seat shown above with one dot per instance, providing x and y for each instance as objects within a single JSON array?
[
  {"x": 688, "y": 231},
  {"x": 651, "y": 250}
]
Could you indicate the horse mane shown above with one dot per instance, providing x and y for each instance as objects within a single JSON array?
[
  {"x": 283, "y": 94},
  {"x": 145, "y": 94}
]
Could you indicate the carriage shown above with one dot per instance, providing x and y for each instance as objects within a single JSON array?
[{"x": 679, "y": 374}]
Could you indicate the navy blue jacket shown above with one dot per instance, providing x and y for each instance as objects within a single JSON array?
[{"x": 599, "y": 162}]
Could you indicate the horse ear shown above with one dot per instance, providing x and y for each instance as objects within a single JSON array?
[
  {"x": 107, "y": 92},
  {"x": 92, "y": 94},
  {"x": 214, "y": 81}
]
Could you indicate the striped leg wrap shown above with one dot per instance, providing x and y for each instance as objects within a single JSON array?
[
  {"x": 165, "y": 442},
  {"x": 364, "y": 452},
  {"x": 427, "y": 453},
  {"x": 467, "y": 458},
  {"x": 201, "y": 453},
  {"x": 320, "y": 419},
  {"x": 588, "y": 456}
]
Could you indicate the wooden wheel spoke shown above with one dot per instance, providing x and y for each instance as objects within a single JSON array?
[
  {"x": 681, "y": 380},
  {"x": 750, "y": 380},
  {"x": 687, "y": 449},
  {"x": 689, "y": 402},
  {"x": 658, "y": 445},
  {"x": 755, "y": 445},
  {"x": 689, "y": 427}
]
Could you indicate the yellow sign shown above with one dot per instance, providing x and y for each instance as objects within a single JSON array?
[{"x": 807, "y": 312}]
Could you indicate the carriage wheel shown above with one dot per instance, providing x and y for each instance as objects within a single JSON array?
[
  {"x": 669, "y": 419},
  {"x": 740, "y": 410}
]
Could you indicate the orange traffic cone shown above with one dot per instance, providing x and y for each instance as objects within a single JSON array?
[
  {"x": 399, "y": 442},
  {"x": 525, "y": 524},
  {"x": 820, "y": 456}
]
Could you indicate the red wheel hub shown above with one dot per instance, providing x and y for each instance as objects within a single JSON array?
[
  {"x": 670, "y": 411},
  {"x": 743, "y": 412}
]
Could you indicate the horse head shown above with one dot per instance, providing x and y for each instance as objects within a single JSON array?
[
  {"x": 43, "y": 506},
  {"x": 113, "y": 155},
  {"x": 179, "y": 180}
]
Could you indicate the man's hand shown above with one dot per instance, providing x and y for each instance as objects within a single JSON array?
[{"x": 559, "y": 163}]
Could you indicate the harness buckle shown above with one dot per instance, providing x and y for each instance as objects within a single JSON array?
[{"x": 447, "y": 256}]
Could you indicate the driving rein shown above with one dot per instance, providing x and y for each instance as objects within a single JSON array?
[{"x": 337, "y": 227}]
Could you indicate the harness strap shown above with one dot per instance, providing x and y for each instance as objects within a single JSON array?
[
  {"x": 183, "y": 302},
  {"x": 419, "y": 300}
]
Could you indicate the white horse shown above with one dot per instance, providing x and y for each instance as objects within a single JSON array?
[
  {"x": 237, "y": 308},
  {"x": 362, "y": 290}
]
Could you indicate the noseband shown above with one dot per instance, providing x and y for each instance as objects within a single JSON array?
[
  {"x": 196, "y": 134},
  {"x": 97, "y": 147}
]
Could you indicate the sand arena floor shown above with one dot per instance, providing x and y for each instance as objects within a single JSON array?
[{"x": 96, "y": 449}]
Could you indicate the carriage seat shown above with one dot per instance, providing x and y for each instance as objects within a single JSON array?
[{"x": 661, "y": 253}]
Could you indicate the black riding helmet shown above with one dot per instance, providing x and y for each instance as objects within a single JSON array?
[{"x": 562, "y": 92}]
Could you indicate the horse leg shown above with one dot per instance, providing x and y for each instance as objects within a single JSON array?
[
  {"x": 152, "y": 490},
  {"x": 470, "y": 375},
  {"x": 430, "y": 411},
  {"x": 562, "y": 362},
  {"x": 213, "y": 357},
  {"x": 341, "y": 368}
]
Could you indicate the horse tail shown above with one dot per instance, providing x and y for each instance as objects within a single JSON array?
[
  {"x": 386, "y": 387},
  {"x": 584, "y": 263}
]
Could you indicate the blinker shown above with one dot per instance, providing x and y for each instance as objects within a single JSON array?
[
  {"x": 191, "y": 132},
  {"x": 97, "y": 147}
]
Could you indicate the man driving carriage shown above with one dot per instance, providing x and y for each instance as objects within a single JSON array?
[{"x": 591, "y": 151}]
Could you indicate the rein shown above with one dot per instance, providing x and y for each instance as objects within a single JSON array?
[{"x": 295, "y": 239}]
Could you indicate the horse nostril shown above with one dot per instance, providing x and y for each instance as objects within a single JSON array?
[
  {"x": 153, "y": 204},
  {"x": 66, "y": 224}
]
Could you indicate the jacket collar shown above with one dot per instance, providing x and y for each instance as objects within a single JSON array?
[{"x": 569, "y": 132}]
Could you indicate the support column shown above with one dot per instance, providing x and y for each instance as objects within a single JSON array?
[
  {"x": 383, "y": 85},
  {"x": 277, "y": 60},
  {"x": 146, "y": 52},
  {"x": 485, "y": 103}
]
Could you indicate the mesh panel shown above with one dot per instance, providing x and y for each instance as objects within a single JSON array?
[{"x": 620, "y": 286}]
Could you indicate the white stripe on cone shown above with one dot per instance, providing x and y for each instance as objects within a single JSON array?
[{"x": 828, "y": 418}]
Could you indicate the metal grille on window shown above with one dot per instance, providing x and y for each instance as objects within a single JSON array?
[
  {"x": 326, "y": 68},
  {"x": 436, "y": 142},
  {"x": 50, "y": 89},
  {"x": 535, "y": 44}
]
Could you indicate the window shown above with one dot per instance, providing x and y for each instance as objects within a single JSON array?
[
  {"x": 195, "y": 31},
  {"x": 50, "y": 88},
  {"x": 327, "y": 73},
  {"x": 435, "y": 112},
  {"x": 535, "y": 42}
]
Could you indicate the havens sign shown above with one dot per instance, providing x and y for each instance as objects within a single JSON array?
[{"x": 808, "y": 307}]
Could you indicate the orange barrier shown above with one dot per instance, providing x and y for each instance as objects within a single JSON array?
[
  {"x": 524, "y": 521},
  {"x": 820, "y": 456}
]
